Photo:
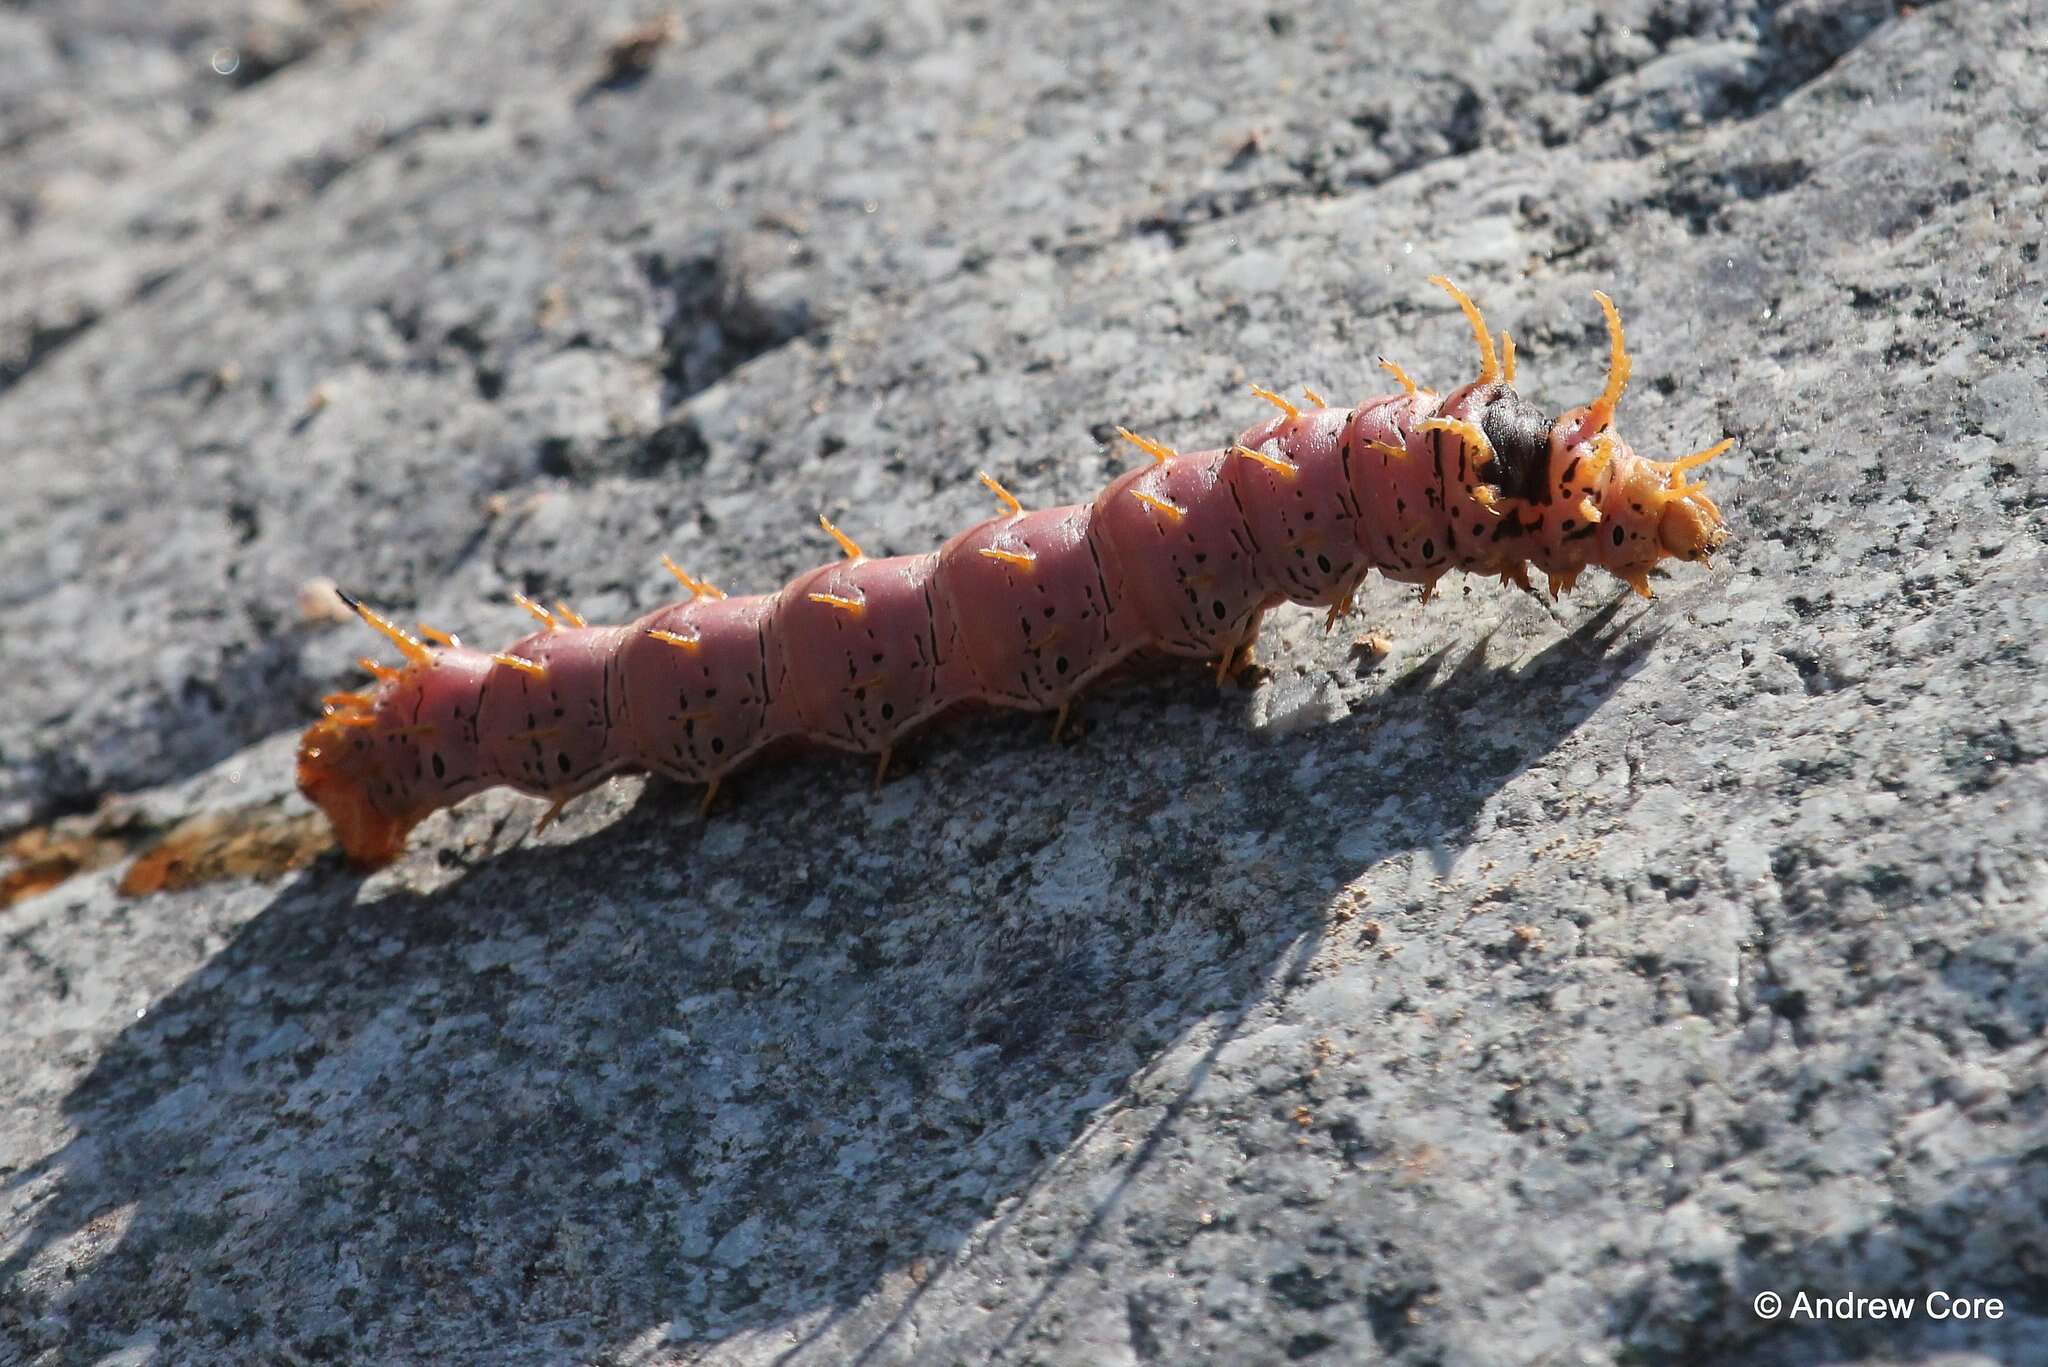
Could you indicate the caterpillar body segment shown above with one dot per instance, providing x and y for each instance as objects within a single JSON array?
[
  {"x": 701, "y": 711},
  {"x": 1175, "y": 552},
  {"x": 863, "y": 676},
  {"x": 1061, "y": 624},
  {"x": 1182, "y": 555}
]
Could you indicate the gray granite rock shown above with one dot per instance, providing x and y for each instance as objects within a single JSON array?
[{"x": 1543, "y": 992}]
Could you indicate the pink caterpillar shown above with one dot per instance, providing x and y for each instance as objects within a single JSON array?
[{"x": 1182, "y": 556}]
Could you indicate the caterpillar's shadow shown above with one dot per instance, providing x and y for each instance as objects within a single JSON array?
[{"x": 715, "y": 1083}]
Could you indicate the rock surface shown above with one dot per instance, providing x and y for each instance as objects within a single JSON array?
[{"x": 1543, "y": 992}]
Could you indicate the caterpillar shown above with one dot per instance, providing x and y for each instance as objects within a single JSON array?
[{"x": 1182, "y": 556}]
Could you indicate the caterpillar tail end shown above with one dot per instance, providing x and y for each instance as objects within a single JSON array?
[{"x": 370, "y": 836}]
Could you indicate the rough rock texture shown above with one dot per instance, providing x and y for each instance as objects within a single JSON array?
[{"x": 1543, "y": 993}]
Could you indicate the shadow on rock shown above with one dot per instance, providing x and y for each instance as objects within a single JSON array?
[{"x": 710, "y": 1081}]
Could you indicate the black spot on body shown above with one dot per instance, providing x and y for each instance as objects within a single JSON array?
[
  {"x": 1619, "y": 535},
  {"x": 1511, "y": 525},
  {"x": 440, "y": 769},
  {"x": 562, "y": 761}
]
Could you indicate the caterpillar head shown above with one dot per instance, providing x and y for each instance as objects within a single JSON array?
[
  {"x": 1644, "y": 510},
  {"x": 1690, "y": 526},
  {"x": 1575, "y": 484}
]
